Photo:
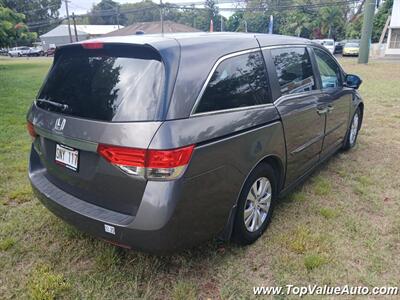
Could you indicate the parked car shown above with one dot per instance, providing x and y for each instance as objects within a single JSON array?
[
  {"x": 3, "y": 51},
  {"x": 36, "y": 51},
  {"x": 329, "y": 44},
  {"x": 19, "y": 51},
  {"x": 339, "y": 47},
  {"x": 351, "y": 49},
  {"x": 136, "y": 142}
]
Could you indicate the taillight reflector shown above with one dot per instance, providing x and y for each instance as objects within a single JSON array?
[
  {"x": 31, "y": 129},
  {"x": 92, "y": 45}
]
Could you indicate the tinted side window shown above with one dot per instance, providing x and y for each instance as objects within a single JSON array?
[
  {"x": 239, "y": 81},
  {"x": 328, "y": 69},
  {"x": 294, "y": 70}
]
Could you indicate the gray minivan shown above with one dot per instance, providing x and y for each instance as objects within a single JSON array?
[{"x": 162, "y": 142}]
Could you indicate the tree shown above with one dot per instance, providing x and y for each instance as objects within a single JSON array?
[
  {"x": 380, "y": 19},
  {"x": 331, "y": 21},
  {"x": 212, "y": 14},
  {"x": 303, "y": 18},
  {"x": 256, "y": 21},
  {"x": 145, "y": 11},
  {"x": 353, "y": 29},
  {"x": 234, "y": 22},
  {"x": 105, "y": 13},
  {"x": 40, "y": 12},
  {"x": 299, "y": 23},
  {"x": 12, "y": 29}
]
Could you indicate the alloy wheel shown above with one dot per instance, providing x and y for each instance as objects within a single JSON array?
[
  {"x": 258, "y": 203},
  {"x": 354, "y": 129}
]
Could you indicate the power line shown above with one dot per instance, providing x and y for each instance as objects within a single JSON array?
[{"x": 38, "y": 9}]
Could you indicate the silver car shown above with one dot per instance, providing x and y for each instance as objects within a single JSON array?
[
  {"x": 162, "y": 142},
  {"x": 19, "y": 51}
]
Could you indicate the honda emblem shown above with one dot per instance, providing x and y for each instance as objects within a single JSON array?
[{"x": 60, "y": 124}]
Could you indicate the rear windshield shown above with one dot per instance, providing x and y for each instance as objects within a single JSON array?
[{"x": 114, "y": 83}]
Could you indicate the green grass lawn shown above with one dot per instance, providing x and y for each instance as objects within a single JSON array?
[{"x": 341, "y": 227}]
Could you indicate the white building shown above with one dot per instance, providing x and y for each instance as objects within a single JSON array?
[
  {"x": 60, "y": 35},
  {"x": 393, "y": 42}
]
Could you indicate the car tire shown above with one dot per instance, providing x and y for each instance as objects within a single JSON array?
[
  {"x": 354, "y": 128},
  {"x": 252, "y": 217}
]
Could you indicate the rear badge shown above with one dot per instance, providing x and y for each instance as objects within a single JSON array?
[
  {"x": 60, "y": 124},
  {"x": 109, "y": 229}
]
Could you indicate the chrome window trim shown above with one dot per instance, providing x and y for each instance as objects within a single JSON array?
[
  {"x": 221, "y": 111},
  {"x": 203, "y": 88},
  {"x": 283, "y": 98},
  {"x": 285, "y": 46}
]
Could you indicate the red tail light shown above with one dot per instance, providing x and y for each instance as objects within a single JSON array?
[
  {"x": 169, "y": 158},
  {"x": 123, "y": 156},
  {"x": 154, "y": 164},
  {"x": 92, "y": 45},
  {"x": 31, "y": 129}
]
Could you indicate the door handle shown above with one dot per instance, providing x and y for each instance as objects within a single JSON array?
[{"x": 322, "y": 111}]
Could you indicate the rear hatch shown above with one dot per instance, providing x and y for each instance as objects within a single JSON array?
[{"x": 98, "y": 94}]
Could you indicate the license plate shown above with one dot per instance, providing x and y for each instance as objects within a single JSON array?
[{"x": 67, "y": 157}]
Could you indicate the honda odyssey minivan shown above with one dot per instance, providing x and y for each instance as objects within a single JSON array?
[{"x": 162, "y": 142}]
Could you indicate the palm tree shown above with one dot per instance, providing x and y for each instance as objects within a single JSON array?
[{"x": 330, "y": 18}]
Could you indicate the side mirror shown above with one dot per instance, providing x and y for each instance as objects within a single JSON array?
[{"x": 353, "y": 81}]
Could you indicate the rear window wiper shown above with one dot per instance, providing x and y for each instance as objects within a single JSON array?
[{"x": 56, "y": 104}]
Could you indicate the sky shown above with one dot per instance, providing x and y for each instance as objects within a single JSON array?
[{"x": 82, "y": 6}]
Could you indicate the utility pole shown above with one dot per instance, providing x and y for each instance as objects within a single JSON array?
[
  {"x": 369, "y": 11},
  {"x": 194, "y": 16},
  {"x": 69, "y": 22},
  {"x": 162, "y": 16},
  {"x": 245, "y": 26},
  {"x": 222, "y": 23},
  {"x": 76, "y": 32},
  {"x": 117, "y": 10}
]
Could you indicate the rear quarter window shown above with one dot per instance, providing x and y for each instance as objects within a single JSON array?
[{"x": 116, "y": 83}]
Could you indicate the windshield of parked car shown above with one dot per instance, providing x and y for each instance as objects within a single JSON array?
[{"x": 352, "y": 45}]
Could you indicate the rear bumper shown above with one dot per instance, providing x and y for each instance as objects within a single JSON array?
[
  {"x": 171, "y": 216},
  {"x": 92, "y": 219},
  {"x": 350, "y": 53}
]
